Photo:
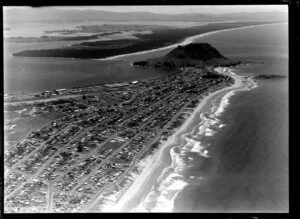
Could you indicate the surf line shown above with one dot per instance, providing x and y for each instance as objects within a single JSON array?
[{"x": 171, "y": 182}]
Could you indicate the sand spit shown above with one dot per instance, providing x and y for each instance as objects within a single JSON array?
[{"x": 184, "y": 42}]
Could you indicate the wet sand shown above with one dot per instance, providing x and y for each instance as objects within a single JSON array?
[
  {"x": 247, "y": 171},
  {"x": 162, "y": 159}
]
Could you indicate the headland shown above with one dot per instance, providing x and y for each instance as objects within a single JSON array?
[
  {"x": 158, "y": 38},
  {"x": 92, "y": 145}
]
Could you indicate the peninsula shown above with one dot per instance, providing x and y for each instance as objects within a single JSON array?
[
  {"x": 99, "y": 49},
  {"x": 85, "y": 158}
]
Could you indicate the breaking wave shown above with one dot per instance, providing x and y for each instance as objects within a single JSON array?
[{"x": 196, "y": 143}]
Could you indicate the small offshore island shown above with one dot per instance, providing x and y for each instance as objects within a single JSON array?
[
  {"x": 86, "y": 159},
  {"x": 270, "y": 77}
]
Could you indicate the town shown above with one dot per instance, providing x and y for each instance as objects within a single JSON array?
[{"x": 78, "y": 161}]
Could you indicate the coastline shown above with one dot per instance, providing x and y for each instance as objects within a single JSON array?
[
  {"x": 115, "y": 58},
  {"x": 157, "y": 163},
  {"x": 184, "y": 42},
  {"x": 254, "y": 122}
]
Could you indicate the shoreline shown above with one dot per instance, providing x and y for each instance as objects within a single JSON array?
[
  {"x": 115, "y": 58},
  {"x": 154, "y": 169},
  {"x": 183, "y": 42}
]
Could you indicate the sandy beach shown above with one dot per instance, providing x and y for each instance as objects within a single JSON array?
[
  {"x": 186, "y": 41},
  {"x": 162, "y": 159}
]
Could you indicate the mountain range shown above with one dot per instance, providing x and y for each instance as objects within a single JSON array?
[{"x": 48, "y": 14}]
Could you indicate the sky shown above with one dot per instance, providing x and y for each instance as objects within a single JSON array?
[{"x": 182, "y": 9}]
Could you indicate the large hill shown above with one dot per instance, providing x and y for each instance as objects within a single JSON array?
[
  {"x": 194, "y": 54},
  {"x": 198, "y": 51}
]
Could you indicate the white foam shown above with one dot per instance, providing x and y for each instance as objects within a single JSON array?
[
  {"x": 12, "y": 127},
  {"x": 197, "y": 147},
  {"x": 209, "y": 132},
  {"x": 205, "y": 153},
  {"x": 171, "y": 182},
  {"x": 177, "y": 161},
  {"x": 224, "y": 103},
  {"x": 213, "y": 108},
  {"x": 221, "y": 125},
  {"x": 231, "y": 72},
  {"x": 163, "y": 205},
  {"x": 252, "y": 85},
  {"x": 21, "y": 111},
  {"x": 15, "y": 119},
  {"x": 177, "y": 185},
  {"x": 164, "y": 196},
  {"x": 206, "y": 123}
]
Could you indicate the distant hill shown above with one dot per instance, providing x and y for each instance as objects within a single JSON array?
[
  {"x": 107, "y": 48},
  {"x": 194, "y": 54},
  {"x": 48, "y": 14}
]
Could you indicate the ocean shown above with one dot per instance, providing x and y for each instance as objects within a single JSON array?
[
  {"x": 25, "y": 75},
  {"x": 235, "y": 159},
  {"x": 33, "y": 75},
  {"x": 248, "y": 165},
  {"x": 250, "y": 153},
  {"x": 235, "y": 156}
]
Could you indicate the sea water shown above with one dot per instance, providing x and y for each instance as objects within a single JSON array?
[
  {"x": 235, "y": 157},
  {"x": 247, "y": 166},
  {"x": 32, "y": 75}
]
